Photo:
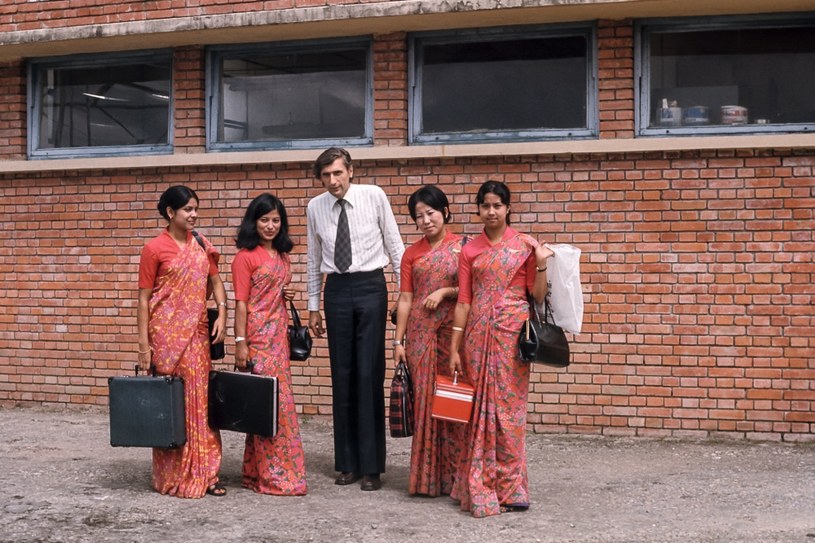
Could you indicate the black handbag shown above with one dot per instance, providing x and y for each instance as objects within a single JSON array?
[
  {"x": 299, "y": 338},
  {"x": 401, "y": 407},
  {"x": 541, "y": 341},
  {"x": 217, "y": 351}
]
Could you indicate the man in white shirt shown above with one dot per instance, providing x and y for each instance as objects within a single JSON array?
[{"x": 352, "y": 236}]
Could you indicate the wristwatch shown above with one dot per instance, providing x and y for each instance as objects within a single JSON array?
[
  {"x": 238, "y": 339},
  {"x": 395, "y": 342}
]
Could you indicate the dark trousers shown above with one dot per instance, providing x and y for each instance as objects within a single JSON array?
[{"x": 356, "y": 305}]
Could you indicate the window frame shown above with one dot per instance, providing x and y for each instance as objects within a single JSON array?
[
  {"x": 36, "y": 67},
  {"x": 417, "y": 41},
  {"x": 642, "y": 48},
  {"x": 215, "y": 53}
]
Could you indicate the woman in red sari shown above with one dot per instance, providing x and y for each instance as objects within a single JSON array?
[
  {"x": 261, "y": 273},
  {"x": 496, "y": 271},
  {"x": 176, "y": 275},
  {"x": 424, "y": 315}
]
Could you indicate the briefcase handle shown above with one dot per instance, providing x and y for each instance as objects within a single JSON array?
[{"x": 152, "y": 370}]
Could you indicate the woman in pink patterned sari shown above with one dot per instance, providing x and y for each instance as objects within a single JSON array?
[
  {"x": 175, "y": 276},
  {"x": 496, "y": 271},
  {"x": 429, "y": 289},
  {"x": 261, "y": 273}
]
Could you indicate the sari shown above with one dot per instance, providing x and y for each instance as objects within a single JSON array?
[
  {"x": 492, "y": 469},
  {"x": 272, "y": 465},
  {"x": 436, "y": 444},
  {"x": 178, "y": 335}
]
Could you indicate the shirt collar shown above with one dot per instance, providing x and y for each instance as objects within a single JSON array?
[{"x": 349, "y": 196}]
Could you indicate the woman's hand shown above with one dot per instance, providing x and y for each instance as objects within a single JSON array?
[
  {"x": 434, "y": 298},
  {"x": 455, "y": 363},
  {"x": 542, "y": 252},
  {"x": 219, "y": 328},
  {"x": 399, "y": 354},
  {"x": 288, "y": 293},
  {"x": 241, "y": 354},
  {"x": 145, "y": 359}
]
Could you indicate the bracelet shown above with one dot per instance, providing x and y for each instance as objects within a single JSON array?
[
  {"x": 396, "y": 343},
  {"x": 238, "y": 339},
  {"x": 543, "y": 269},
  {"x": 149, "y": 349},
  {"x": 458, "y": 329},
  {"x": 222, "y": 304}
]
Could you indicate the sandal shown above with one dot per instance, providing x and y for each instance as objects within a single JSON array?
[
  {"x": 516, "y": 508},
  {"x": 217, "y": 490}
]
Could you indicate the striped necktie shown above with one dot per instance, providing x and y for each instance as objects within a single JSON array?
[{"x": 342, "y": 245}]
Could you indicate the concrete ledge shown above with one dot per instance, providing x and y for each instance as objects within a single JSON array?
[
  {"x": 418, "y": 152},
  {"x": 358, "y": 19}
]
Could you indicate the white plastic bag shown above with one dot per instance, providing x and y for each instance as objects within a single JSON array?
[{"x": 565, "y": 293}]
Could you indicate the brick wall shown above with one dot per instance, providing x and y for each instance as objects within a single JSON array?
[
  {"x": 12, "y": 111},
  {"x": 697, "y": 270}
]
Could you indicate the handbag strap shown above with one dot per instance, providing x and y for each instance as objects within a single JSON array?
[
  {"x": 197, "y": 237},
  {"x": 533, "y": 308},
  {"x": 295, "y": 317}
]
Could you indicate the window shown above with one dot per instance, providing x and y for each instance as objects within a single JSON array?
[
  {"x": 499, "y": 84},
  {"x": 94, "y": 105},
  {"x": 731, "y": 75},
  {"x": 290, "y": 95}
]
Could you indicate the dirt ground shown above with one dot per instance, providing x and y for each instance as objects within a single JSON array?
[{"x": 63, "y": 482}]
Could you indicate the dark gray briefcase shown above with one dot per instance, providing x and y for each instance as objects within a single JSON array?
[
  {"x": 147, "y": 411},
  {"x": 243, "y": 402}
]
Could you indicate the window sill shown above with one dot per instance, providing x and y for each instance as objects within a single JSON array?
[{"x": 418, "y": 152}]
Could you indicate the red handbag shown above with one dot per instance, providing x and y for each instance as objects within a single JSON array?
[{"x": 452, "y": 400}]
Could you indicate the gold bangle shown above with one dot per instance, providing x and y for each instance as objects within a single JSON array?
[
  {"x": 150, "y": 349},
  {"x": 458, "y": 329}
]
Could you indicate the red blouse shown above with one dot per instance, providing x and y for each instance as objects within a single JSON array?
[
  {"x": 244, "y": 265},
  {"x": 524, "y": 277},
  {"x": 157, "y": 255},
  {"x": 413, "y": 253}
]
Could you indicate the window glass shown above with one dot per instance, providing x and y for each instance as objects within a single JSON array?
[
  {"x": 730, "y": 79},
  {"x": 100, "y": 104},
  {"x": 273, "y": 97},
  {"x": 515, "y": 86}
]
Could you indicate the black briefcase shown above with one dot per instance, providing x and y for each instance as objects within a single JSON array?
[
  {"x": 243, "y": 402},
  {"x": 147, "y": 411}
]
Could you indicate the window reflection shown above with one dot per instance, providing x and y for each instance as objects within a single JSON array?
[
  {"x": 116, "y": 104},
  {"x": 738, "y": 78},
  {"x": 294, "y": 95}
]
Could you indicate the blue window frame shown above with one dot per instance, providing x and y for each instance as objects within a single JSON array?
[
  {"x": 100, "y": 105},
  {"x": 499, "y": 84},
  {"x": 726, "y": 75},
  {"x": 290, "y": 95}
]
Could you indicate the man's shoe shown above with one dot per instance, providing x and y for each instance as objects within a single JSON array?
[
  {"x": 346, "y": 478},
  {"x": 371, "y": 482}
]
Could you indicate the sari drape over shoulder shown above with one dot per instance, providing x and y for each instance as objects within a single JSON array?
[
  {"x": 436, "y": 444},
  {"x": 492, "y": 470},
  {"x": 177, "y": 331},
  {"x": 273, "y": 465}
]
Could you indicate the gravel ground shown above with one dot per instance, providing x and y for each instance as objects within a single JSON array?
[{"x": 63, "y": 482}]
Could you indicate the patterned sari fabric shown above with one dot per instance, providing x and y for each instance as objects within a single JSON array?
[
  {"x": 436, "y": 444},
  {"x": 273, "y": 465},
  {"x": 178, "y": 336},
  {"x": 492, "y": 470}
]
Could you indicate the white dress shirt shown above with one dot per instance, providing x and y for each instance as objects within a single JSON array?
[{"x": 375, "y": 238}]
